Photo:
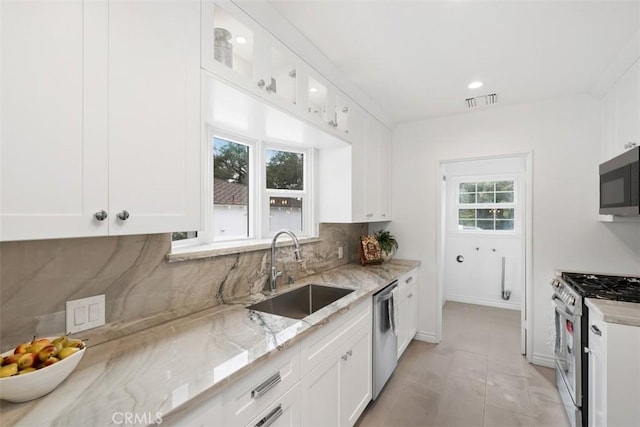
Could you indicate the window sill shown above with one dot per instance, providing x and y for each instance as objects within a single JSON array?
[{"x": 228, "y": 248}]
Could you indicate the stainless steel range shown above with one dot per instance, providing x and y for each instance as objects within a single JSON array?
[{"x": 572, "y": 338}]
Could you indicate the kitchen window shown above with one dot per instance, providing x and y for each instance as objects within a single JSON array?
[
  {"x": 487, "y": 206},
  {"x": 254, "y": 189}
]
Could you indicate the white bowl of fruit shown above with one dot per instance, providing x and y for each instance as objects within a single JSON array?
[{"x": 37, "y": 367}]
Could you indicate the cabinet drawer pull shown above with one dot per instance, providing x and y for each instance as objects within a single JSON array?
[
  {"x": 369, "y": 215},
  {"x": 345, "y": 357},
  {"x": 271, "y": 417},
  {"x": 123, "y": 216},
  {"x": 270, "y": 382},
  {"x": 349, "y": 353},
  {"x": 595, "y": 330},
  {"x": 410, "y": 296},
  {"x": 409, "y": 279}
]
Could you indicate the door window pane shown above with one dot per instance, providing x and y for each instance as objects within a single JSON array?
[
  {"x": 495, "y": 205},
  {"x": 230, "y": 190},
  {"x": 504, "y": 197},
  {"x": 285, "y": 170}
]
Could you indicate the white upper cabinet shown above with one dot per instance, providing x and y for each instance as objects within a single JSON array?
[
  {"x": 621, "y": 114},
  {"x": 154, "y": 116},
  {"x": 355, "y": 181},
  {"x": 238, "y": 50},
  {"x": 100, "y": 113},
  {"x": 54, "y": 120}
]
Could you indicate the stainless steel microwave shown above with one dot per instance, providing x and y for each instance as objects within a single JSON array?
[{"x": 620, "y": 184}]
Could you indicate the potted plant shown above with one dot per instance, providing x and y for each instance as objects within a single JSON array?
[{"x": 388, "y": 244}]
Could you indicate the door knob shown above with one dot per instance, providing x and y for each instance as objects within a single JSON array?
[
  {"x": 123, "y": 216},
  {"x": 100, "y": 215}
]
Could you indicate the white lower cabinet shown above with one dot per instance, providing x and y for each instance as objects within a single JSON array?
[
  {"x": 614, "y": 373},
  {"x": 284, "y": 412},
  {"x": 407, "y": 309},
  {"x": 337, "y": 391},
  {"x": 325, "y": 381},
  {"x": 355, "y": 376},
  {"x": 321, "y": 395}
]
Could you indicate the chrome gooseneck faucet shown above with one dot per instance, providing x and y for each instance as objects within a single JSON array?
[{"x": 296, "y": 253}]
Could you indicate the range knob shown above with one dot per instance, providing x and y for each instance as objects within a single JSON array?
[{"x": 572, "y": 300}]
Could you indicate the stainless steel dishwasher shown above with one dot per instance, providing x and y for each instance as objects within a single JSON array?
[{"x": 385, "y": 338}]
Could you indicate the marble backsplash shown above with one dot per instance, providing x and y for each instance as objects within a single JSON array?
[{"x": 141, "y": 287}]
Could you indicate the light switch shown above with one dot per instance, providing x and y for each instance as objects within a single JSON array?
[
  {"x": 94, "y": 310},
  {"x": 79, "y": 316},
  {"x": 85, "y": 313}
]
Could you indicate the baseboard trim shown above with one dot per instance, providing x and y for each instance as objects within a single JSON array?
[
  {"x": 482, "y": 301},
  {"x": 543, "y": 360},
  {"x": 426, "y": 337}
]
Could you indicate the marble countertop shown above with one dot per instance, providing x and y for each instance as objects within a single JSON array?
[
  {"x": 160, "y": 369},
  {"x": 624, "y": 313}
]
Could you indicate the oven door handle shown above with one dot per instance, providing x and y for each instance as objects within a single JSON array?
[{"x": 570, "y": 317}]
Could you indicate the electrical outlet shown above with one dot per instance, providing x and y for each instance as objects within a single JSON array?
[
  {"x": 85, "y": 313},
  {"x": 340, "y": 252}
]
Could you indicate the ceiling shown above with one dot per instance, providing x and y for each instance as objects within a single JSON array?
[{"x": 416, "y": 58}]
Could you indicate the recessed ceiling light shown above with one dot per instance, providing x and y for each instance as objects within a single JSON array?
[
  {"x": 241, "y": 39},
  {"x": 313, "y": 90},
  {"x": 475, "y": 85}
]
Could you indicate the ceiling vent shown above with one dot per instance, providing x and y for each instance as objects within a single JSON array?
[{"x": 491, "y": 98}]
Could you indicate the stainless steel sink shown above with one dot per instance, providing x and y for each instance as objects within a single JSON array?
[{"x": 301, "y": 302}]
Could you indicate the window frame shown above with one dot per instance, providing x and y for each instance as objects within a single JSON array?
[
  {"x": 515, "y": 204},
  {"x": 258, "y": 193},
  {"x": 267, "y": 193}
]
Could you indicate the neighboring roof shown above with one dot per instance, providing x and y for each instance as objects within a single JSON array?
[
  {"x": 232, "y": 193},
  {"x": 229, "y": 193}
]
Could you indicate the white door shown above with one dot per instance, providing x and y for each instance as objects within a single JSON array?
[
  {"x": 154, "y": 116},
  {"x": 54, "y": 147},
  {"x": 484, "y": 234}
]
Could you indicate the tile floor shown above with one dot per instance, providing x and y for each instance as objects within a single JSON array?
[{"x": 474, "y": 377}]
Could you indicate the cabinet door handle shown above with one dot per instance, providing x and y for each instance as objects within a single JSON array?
[
  {"x": 271, "y": 417},
  {"x": 409, "y": 280},
  {"x": 261, "y": 83},
  {"x": 629, "y": 145},
  {"x": 267, "y": 385},
  {"x": 100, "y": 215},
  {"x": 596, "y": 330},
  {"x": 410, "y": 296},
  {"x": 369, "y": 215},
  {"x": 345, "y": 357},
  {"x": 123, "y": 216},
  {"x": 349, "y": 353}
]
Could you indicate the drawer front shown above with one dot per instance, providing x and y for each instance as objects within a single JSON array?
[
  {"x": 318, "y": 346},
  {"x": 408, "y": 279},
  {"x": 284, "y": 412},
  {"x": 251, "y": 395}
]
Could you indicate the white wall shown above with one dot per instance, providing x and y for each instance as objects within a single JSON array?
[
  {"x": 564, "y": 136},
  {"x": 477, "y": 280}
]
